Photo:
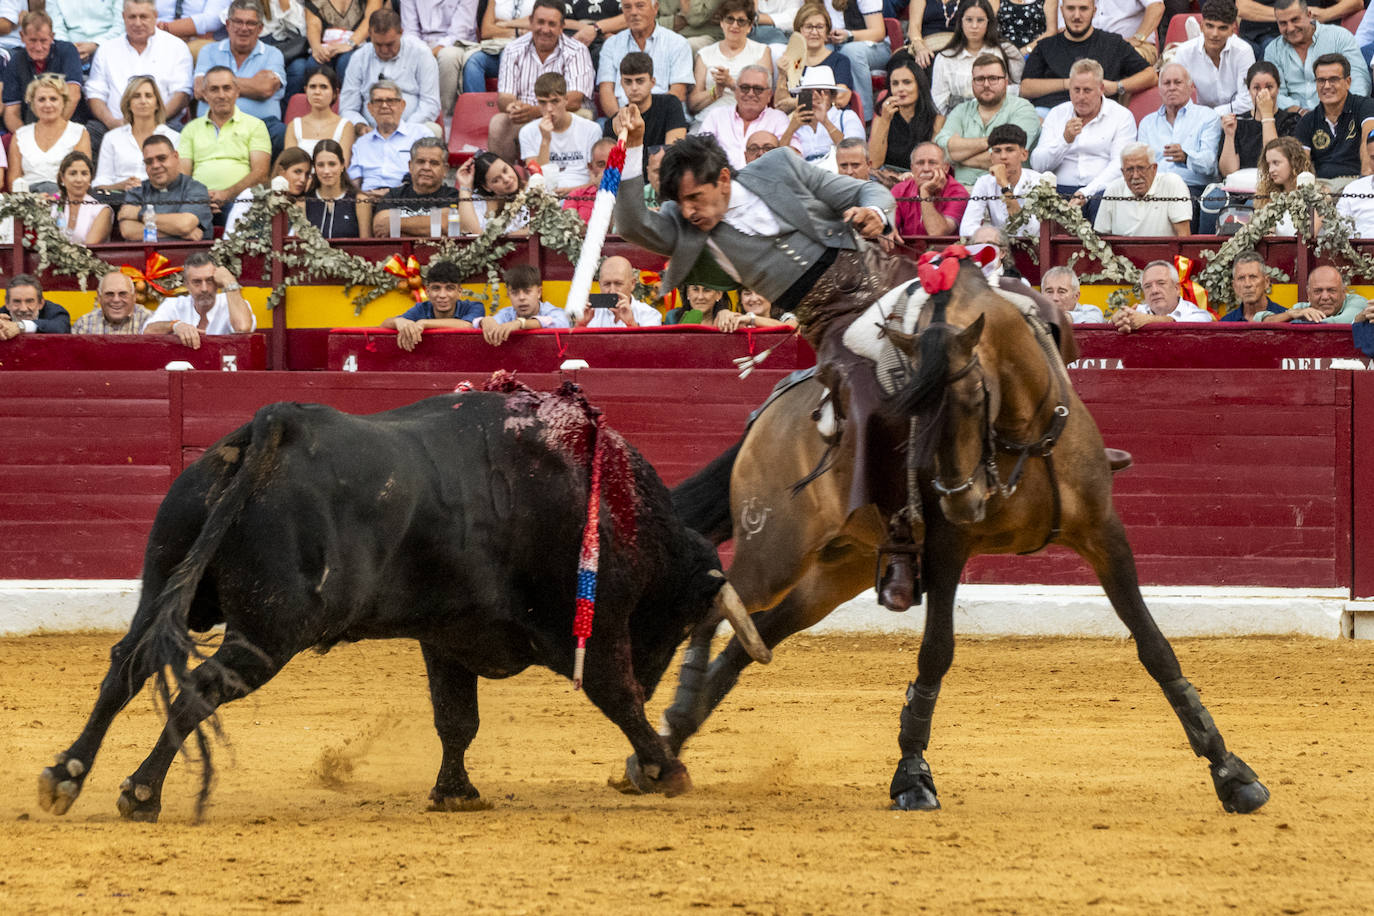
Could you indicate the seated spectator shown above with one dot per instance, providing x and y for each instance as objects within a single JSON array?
[
  {"x": 26, "y": 311},
  {"x": 1244, "y": 136},
  {"x": 1356, "y": 202},
  {"x": 1137, "y": 21},
  {"x": 333, "y": 202},
  {"x": 1024, "y": 24},
  {"x": 87, "y": 24},
  {"x": 258, "y": 69},
  {"x": 965, "y": 134},
  {"x": 1219, "y": 60},
  {"x": 755, "y": 312},
  {"x": 527, "y": 310},
  {"x": 1330, "y": 301},
  {"x": 584, "y": 198},
  {"x": 214, "y": 304},
  {"x": 760, "y": 142},
  {"x": 381, "y": 157},
  {"x": 401, "y": 59},
  {"x": 487, "y": 186},
  {"x": 1083, "y": 138},
  {"x": 1301, "y": 47},
  {"x": 671, "y": 55},
  {"x": 930, "y": 202},
  {"x": 851, "y": 158},
  {"x": 773, "y": 25},
  {"x": 40, "y": 54},
  {"x": 591, "y": 22},
  {"x": 145, "y": 50},
  {"x": 1182, "y": 134},
  {"x": 1283, "y": 168},
  {"x": 812, "y": 23},
  {"x": 1333, "y": 132},
  {"x": 1159, "y": 284},
  {"x": 290, "y": 176},
  {"x": 1000, "y": 194},
  {"x": 226, "y": 150},
  {"x": 1251, "y": 287},
  {"x": 501, "y": 22},
  {"x": 695, "y": 20},
  {"x": 449, "y": 29},
  {"x": 930, "y": 26},
  {"x": 719, "y": 65},
  {"x": 423, "y": 192},
  {"x": 1144, "y": 201},
  {"x": 444, "y": 308},
  {"x": 749, "y": 115},
  {"x": 1049, "y": 69},
  {"x": 321, "y": 122},
  {"x": 39, "y": 148},
  {"x": 81, "y": 217},
  {"x": 285, "y": 31},
  {"x": 816, "y": 126},
  {"x": 1060, "y": 286},
  {"x": 858, "y": 34},
  {"x": 180, "y": 203},
  {"x": 559, "y": 138},
  {"x": 334, "y": 35},
  {"x": 700, "y": 305},
  {"x": 117, "y": 309},
  {"x": 193, "y": 21},
  {"x": 618, "y": 278},
  {"x": 544, "y": 49},
  {"x": 975, "y": 33},
  {"x": 121, "y": 152},
  {"x": 664, "y": 122},
  {"x": 906, "y": 117}
]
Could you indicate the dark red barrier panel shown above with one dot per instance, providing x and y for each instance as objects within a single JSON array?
[
  {"x": 123, "y": 352},
  {"x": 1216, "y": 345},
  {"x": 683, "y": 347},
  {"x": 1362, "y": 492}
]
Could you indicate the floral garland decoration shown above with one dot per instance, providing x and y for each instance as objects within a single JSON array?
[{"x": 56, "y": 253}]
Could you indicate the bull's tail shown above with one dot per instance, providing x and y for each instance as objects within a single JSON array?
[
  {"x": 702, "y": 501},
  {"x": 168, "y": 640}
]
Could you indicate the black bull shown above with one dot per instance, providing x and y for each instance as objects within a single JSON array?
[{"x": 455, "y": 521}]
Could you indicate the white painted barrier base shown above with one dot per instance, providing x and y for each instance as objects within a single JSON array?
[{"x": 982, "y": 610}]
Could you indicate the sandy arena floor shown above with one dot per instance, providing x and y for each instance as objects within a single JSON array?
[{"x": 1067, "y": 784}]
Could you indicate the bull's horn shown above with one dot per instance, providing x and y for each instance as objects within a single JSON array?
[{"x": 729, "y": 604}]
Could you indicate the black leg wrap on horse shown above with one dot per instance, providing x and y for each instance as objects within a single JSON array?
[
  {"x": 914, "y": 737},
  {"x": 913, "y": 773},
  {"x": 1237, "y": 786},
  {"x": 686, "y": 709},
  {"x": 1202, "y": 732}
]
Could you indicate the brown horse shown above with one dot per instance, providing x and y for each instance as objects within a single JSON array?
[{"x": 1008, "y": 461}]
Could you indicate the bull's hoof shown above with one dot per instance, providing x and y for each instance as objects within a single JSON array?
[
  {"x": 473, "y": 802},
  {"x": 670, "y": 781},
  {"x": 60, "y": 784},
  {"x": 138, "y": 803},
  {"x": 913, "y": 786},
  {"x": 1238, "y": 787}
]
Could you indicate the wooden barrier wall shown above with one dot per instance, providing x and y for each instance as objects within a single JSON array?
[{"x": 1242, "y": 477}]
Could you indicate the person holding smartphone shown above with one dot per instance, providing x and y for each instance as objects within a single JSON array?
[
  {"x": 615, "y": 306},
  {"x": 816, "y": 125}
]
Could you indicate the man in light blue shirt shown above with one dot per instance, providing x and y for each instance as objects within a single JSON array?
[
  {"x": 381, "y": 157},
  {"x": 672, "y": 56},
  {"x": 402, "y": 59},
  {"x": 258, "y": 68},
  {"x": 187, "y": 19},
  {"x": 527, "y": 312},
  {"x": 1183, "y": 135},
  {"x": 1301, "y": 41},
  {"x": 86, "y": 23}
]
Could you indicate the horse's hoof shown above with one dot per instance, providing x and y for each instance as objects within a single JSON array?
[
  {"x": 636, "y": 781},
  {"x": 137, "y": 803},
  {"x": 919, "y": 799},
  {"x": 472, "y": 802},
  {"x": 1246, "y": 798},
  {"x": 60, "y": 784}
]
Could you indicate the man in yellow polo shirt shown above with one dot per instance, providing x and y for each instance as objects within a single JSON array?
[{"x": 226, "y": 150}]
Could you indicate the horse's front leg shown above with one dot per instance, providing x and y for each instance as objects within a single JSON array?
[
  {"x": 913, "y": 786},
  {"x": 1110, "y": 554}
]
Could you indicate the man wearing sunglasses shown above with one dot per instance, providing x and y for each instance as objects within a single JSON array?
[{"x": 733, "y": 127}]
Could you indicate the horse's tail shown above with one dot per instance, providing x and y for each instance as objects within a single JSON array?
[{"x": 702, "y": 501}]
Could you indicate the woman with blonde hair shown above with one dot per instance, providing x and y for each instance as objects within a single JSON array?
[
  {"x": 39, "y": 148},
  {"x": 809, "y": 48},
  {"x": 1283, "y": 166},
  {"x": 121, "y": 152}
]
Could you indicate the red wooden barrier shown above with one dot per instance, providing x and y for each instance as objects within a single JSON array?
[
  {"x": 1216, "y": 345},
  {"x": 126, "y": 352}
]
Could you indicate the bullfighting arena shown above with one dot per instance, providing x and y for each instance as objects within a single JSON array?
[{"x": 1066, "y": 781}]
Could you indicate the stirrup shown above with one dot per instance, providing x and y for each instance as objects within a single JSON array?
[
  {"x": 899, "y": 585},
  {"x": 1118, "y": 459}
]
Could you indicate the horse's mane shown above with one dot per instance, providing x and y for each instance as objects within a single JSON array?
[{"x": 923, "y": 398}]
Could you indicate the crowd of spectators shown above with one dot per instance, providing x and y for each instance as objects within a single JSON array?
[{"x": 157, "y": 118}]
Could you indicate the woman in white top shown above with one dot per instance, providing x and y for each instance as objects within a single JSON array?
[
  {"x": 975, "y": 32},
  {"x": 121, "y": 152},
  {"x": 321, "y": 122},
  {"x": 290, "y": 176},
  {"x": 490, "y": 175},
  {"x": 1284, "y": 165},
  {"x": 818, "y": 129},
  {"x": 81, "y": 217},
  {"x": 38, "y": 149},
  {"x": 718, "y": 64}
]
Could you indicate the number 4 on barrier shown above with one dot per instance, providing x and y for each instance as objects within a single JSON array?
[{"x": 350, "y": 363}]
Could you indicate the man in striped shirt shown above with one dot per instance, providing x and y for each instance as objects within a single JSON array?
[
  {"x": 117, "y": 309},
  {"x": 544, "y": 49}
]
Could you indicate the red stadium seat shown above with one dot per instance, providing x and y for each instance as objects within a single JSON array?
[
  {"x": 857, "y": 104},
  {"x": 297, "y": 106},
  {"x": 1144, "y": 102},
  {"x": 471, "y": 114},
  {"x": 1178, "y": 27},
  {"x": 491, "y": 84},
  {"x": 1352, "y": 22},
  {"x": 895, "y": 38}
]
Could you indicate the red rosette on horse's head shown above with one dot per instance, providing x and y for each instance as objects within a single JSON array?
[{"x": 937, "y": 271}]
